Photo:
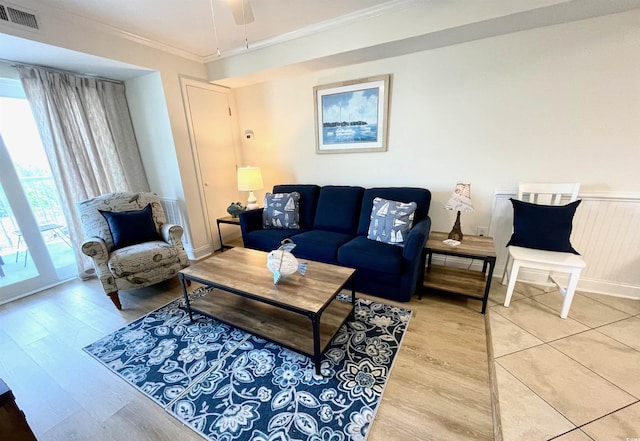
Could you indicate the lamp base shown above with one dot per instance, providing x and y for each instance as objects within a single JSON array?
[
  {"x": 252, "y": 202},
  {"x": 456, "y": 231}
]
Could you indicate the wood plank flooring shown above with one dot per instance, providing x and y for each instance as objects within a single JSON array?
[{"x": 438, "y": 389}]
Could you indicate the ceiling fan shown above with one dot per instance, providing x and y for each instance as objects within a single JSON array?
[
  {"x": 242, "y": 14},
  {"x": 241, "y": 9}
]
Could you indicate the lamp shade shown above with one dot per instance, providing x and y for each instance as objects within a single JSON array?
[
  {"x": 249, "y": 179},
  {"x": 460, "y": 200}
]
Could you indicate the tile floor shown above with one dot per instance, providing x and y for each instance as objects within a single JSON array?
[{"x": 576, "y": 379}]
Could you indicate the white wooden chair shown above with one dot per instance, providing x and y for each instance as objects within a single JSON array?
[{"x": 549, "y": 261}]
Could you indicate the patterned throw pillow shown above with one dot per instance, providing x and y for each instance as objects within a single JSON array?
[
  {"x": 281, "y": 210},
  {"x": 391, "y": 221}
]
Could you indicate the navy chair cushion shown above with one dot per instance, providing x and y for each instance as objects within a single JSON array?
[
  {"x": 421, "y": 196},
  {"x": 362, "y": 253},
  {"x": 338, "y": 209},
  {"x": 308, "y": 200}
]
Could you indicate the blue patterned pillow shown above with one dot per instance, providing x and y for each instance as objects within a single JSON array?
[
  {"x": 391, "y": 221},
  {"x": 281, "y": 210}
]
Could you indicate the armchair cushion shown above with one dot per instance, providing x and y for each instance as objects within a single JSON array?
[
  {"x": 142, "y": 257},
  {"x": 131, "y": 227},
  {"x": 543, "y": 227}
]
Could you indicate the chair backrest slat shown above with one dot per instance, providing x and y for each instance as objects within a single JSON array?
[{"x": 548, "y": 194}]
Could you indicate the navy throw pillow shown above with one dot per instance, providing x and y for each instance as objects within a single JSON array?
[
  {"x": 131, "y": 227},
  {"x": 543, "y": 227}
]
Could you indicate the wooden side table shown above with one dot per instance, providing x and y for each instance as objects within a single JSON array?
[
  {"x": 226, "y": 220},
  {"x": 469, "y": 283}
]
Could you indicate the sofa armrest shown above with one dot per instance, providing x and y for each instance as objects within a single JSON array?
[
  {"x": 250, "y": 220},
  {"x": 172, "y": 233},
  {"x": 416, "y": 239}
]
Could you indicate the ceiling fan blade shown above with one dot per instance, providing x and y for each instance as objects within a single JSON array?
[{"x": 236, "y": 8}]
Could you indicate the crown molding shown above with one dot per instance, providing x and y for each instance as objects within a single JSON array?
[
  {"x": 317, "y": 28},
  {"x": 43, "y": 11}
]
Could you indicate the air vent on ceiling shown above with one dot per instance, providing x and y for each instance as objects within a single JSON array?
[{"x": 18, "y": 16}]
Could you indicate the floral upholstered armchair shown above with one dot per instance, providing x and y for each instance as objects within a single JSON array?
[{"x": 130, "y": 241}]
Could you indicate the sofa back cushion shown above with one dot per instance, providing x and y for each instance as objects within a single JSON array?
[
  {"x": 308, "y": 200},
  {"x": 339, "y": 208},
  {"x": 421, "y": 196}
]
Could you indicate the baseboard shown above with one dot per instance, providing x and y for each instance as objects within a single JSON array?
[{"x": 199, "y": 253}]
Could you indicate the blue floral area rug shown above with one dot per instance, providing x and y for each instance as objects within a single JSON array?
[{"x": 229, "y": 385}]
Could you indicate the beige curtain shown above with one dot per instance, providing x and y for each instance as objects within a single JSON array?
[{"x": 87, "y": 133}]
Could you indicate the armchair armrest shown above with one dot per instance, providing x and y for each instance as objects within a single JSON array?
[
  {"x": 96, "y": 248},
  {"x": 251, "y": 220},
  {"x": 172, "y": 233}
]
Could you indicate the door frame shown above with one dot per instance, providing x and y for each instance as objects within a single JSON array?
[{"x": 186, "y": 82}]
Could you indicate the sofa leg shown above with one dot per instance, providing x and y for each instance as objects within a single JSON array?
[{"x": 115, "y": 299}]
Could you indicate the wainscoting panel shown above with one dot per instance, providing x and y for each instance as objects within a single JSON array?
[
  {"x": 606, "y": 232},
  {"x": 174, "y": 216}
]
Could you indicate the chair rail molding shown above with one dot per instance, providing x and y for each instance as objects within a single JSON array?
[{"x": 605, "y": 233}]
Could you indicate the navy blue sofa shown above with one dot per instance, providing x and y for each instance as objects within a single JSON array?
[{"x": 334, "y": 221}]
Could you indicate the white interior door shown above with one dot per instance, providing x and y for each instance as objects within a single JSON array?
[{"x": 212, "y": 129}]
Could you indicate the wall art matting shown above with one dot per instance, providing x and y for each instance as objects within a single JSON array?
[{"x": 352, "y": 116}]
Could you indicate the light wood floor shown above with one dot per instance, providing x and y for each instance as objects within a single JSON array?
[{"x": 438, "y": 389}]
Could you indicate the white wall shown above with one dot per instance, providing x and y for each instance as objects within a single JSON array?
[{"x": 560, "y": 103}]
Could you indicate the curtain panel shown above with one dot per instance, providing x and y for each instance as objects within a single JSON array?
[{"x": 89, "y": 140}]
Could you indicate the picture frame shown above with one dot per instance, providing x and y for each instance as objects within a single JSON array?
[{"x": 352, "y": 116}]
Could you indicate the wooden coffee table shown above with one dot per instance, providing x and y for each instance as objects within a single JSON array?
[{"x": 300, "y": 313}]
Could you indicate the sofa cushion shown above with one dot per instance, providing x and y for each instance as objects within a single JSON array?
[
  {"x": 281, "y": 210},
  {"x": 131, "y": 227},
  {"x": 370, "y": 255},
  {"x": 268, "y": 240},
  {"x": 390, "y": 221},
  {"x": 339, "y": 208},
  {"x": 421, "y": 196},
  {"x": 319, "y": 245},
  {"x": 543, "y": 227},
  {"x": 308, "y": 200}
]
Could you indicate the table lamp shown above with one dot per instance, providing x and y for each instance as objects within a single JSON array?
[
  {"x": 460, "y": 200},
  {"x": 250, "y": 179}
]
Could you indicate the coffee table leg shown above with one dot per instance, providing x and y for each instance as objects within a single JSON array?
[
  {"x": 352, "y": 316},
  {"x": 317, "y": 355},
  {"x": 185, "y": 294}
]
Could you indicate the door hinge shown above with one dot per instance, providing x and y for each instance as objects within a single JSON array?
[{"x": 229, "y": 111}]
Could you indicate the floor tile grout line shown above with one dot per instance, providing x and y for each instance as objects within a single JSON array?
[
  {"x": 595, "y": 373},
  {"x": 611, "y": 306},
  {"x": 538, "y": 395},
  {"x": 597, "y": 419}
]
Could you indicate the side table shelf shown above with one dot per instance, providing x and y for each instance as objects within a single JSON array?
[{"x": 469, "y": 283}]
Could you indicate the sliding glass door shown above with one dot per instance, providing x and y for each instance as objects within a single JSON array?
[{"x": 35, "y": 251}]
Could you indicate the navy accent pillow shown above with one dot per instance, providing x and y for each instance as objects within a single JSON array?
[
  {"x": 543, "y": 227},
  {"x": 131, "y": 227}
]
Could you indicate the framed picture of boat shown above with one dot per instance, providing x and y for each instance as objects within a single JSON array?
[{"x": 352, "y": 116}]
